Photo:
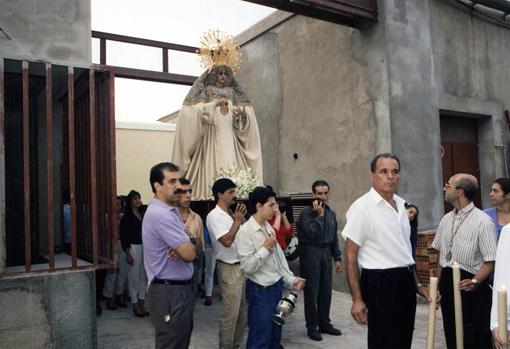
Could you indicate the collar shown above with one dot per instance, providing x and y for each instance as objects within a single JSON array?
[
  {"x": 159, "y": 203},
  {"x": 465, "y": 210},
  {"x": 377, "y": 198},
  {"x": 252, "y": 225}
]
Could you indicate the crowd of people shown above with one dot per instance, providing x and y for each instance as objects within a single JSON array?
[{"x": 170, "y": 246}]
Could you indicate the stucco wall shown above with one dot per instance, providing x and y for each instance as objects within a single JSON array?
[
  {"x": 57, "y": 30},
  {"x": 55, "y": 310},
  {"x": 471, "y": 67},
  {"x": 139, "y": 147},
  {"x": 311, "y": 97}
]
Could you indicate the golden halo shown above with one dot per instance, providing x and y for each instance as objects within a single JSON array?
[{"x": 219, "y": 48}]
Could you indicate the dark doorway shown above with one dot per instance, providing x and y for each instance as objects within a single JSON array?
[{"x": 459, "y": 141}]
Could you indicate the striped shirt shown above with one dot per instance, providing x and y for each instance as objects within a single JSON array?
[{"x": 469, "y": 235}]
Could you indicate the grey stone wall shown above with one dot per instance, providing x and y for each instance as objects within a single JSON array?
[
  {"x": 472, "y": 74},
  {"x": 55, "y": 310},
  {"x": 57, "y": 30}
]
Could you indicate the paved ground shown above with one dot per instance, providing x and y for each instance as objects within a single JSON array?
[{"x": 121, "y": 329}]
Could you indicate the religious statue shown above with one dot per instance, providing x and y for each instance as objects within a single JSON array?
[{"x": 216, "y": 126}]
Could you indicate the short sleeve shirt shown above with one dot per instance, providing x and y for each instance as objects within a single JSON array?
[
  {"x": 163, "y": 229},
  {"x": 218, "y": 224},
  {"x": 382, "y": 232}
]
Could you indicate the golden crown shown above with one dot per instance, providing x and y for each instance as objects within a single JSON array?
[{"x": 219, "y": 48}]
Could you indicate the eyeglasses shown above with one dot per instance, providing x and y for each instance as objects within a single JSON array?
[
  {"x": 183, "y": 191},
  {"x": 446, "y": 185}
]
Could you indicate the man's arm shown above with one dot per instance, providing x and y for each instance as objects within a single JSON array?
[
  {"x": 484, "y": 272},
  {"x": 228, "y": 239},
  {"x": 335, "y": 249},
  {"x": 187, "y": 251},
  {"x": 359, "y": 310}
]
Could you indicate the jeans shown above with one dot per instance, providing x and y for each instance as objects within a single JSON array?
[
  {"x": 210, "y": 266},
  {"x": 262, "y": 301}
]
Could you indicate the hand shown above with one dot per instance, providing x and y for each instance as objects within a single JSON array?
[
  {"x": 239, "y": 213},
  {"x": 172, "y": 254},
  {"x": 467, "y": 285},
  {"x": 298, "y": 283},
  {"x": 338, "y": 266},
  {"x": 498, "y": 342},
  {"x": 424, "y": 292},
  {"x": 129, "y": 258},
  {"x": 277, "y": 213},
  {"x": 318, "y": 206},
  {"x": 359, "y": 312},
  {"x": 270, "y": 242}
]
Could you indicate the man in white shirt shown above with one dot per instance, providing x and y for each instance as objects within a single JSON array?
[
  {"x": 377, "y": 236},
  {"x": 266, "y": 269},
  {"x": 223, "y": 227},
  {"x": 501, "y": 279}
]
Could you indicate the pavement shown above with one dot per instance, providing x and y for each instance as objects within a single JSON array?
[{"x": 120, "y": 329}]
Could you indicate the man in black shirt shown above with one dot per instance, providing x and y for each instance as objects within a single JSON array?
[{"x": 318, "y": 242}]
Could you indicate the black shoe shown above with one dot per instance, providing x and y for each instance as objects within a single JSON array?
[
  {"x": 119, "y": 300},
  {"x": 331, "y": 330},
  {"x": 208, "y": 301},
  {"x": 315, "y": 335},
  {"x": 110, "y": 304}
]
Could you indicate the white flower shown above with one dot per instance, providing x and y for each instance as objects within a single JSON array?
[{"x": 245, "y": 179}]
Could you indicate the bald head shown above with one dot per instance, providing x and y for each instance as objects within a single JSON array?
[{"x": 468, "y": 183}]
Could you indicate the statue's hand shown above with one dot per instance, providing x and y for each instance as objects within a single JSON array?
[
  {"x": 207, "y": 119},
  {"x": 240, "y": 118}
]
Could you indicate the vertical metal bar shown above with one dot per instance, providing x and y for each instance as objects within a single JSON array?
[
  {"x": 3, "y": 255},
  {"x": 49, "y": 166},
  {"x": 165, "y": 60},
  {"x": 113, "y": 163},
  {"x": 102, "y": 51},
  {"x": 93, "y": 179},
  {"x": 26, "y": 167},
  {"x": 72, "y": 182}
]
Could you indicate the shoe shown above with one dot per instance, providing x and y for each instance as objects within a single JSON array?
[
  {"x": 137, "y": 311},
  {"x": 141, "y": 305},
  {"x": 315, "y": 335},
  {"x": 119, "y": 300},
  {"x": 208, "y": 301},
  {"x": 99, "y": 310},
  {"x": 331, "y": 330},
  {"x": 110, "y": 304}
]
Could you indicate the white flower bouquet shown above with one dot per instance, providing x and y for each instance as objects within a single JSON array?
[{"x": 245, "y": 179}]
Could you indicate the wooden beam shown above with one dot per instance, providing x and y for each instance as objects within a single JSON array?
[
  {"x": 49, "y": 167},
  {"x": 93, "y": 165},
  {"x": 26, "y": 166},
  {"x": 72, "y": 172}
]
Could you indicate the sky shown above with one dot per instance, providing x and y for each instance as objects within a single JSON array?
[{"x": 176, "y": 21}]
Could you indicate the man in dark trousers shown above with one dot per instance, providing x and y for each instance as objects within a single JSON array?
[
  {"x": 168, "y": 256},
  {"x": 318, "y": 242}
]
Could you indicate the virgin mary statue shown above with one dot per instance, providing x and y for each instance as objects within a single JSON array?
[{"x": 216, "y": 126}]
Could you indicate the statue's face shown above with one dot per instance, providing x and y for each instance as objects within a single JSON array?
[{"x": 222, "y": 76}]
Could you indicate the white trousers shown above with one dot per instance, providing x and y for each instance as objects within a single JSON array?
[
  {"x": 137, "y": 278},
  {"x": 116, "y": 277}
]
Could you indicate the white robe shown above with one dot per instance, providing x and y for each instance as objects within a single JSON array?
[{"x": 207, "y": 140}]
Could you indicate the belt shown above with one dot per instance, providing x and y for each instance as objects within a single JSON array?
[
  {"x": 171, "y": 282},
  {"x": 235, "y": 263},
  {"x": 409, "y": 268}
]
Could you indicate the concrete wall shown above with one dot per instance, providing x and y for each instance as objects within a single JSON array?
[
  {"x": 48, "y": 311},
  {"x": 138, "y": 148},
  {"x": 472, "y": 73},
  {"x": 312, "y": 98},
  {"x": 57, "y": 30}
]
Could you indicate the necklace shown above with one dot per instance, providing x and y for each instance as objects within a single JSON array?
[{"x": 454, "y": 233}]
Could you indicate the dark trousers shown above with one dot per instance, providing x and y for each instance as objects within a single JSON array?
[
  {"x": 171, "y": 309},
  {"x": 476, "y": 311},
  {"x": 263, "y": 333},
  {"x": 390, "y": 297},
  {"x": 315, "y": 265}
]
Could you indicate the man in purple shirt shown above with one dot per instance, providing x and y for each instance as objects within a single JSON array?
[{"x": 168, "y": 258}]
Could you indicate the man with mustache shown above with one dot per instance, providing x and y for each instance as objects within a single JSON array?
[
  {"x": 223, "y": 226},
  {"x": 170, "y": 293}
]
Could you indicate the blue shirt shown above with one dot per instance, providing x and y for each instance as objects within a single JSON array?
[{"x": 493, "y": 213}]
